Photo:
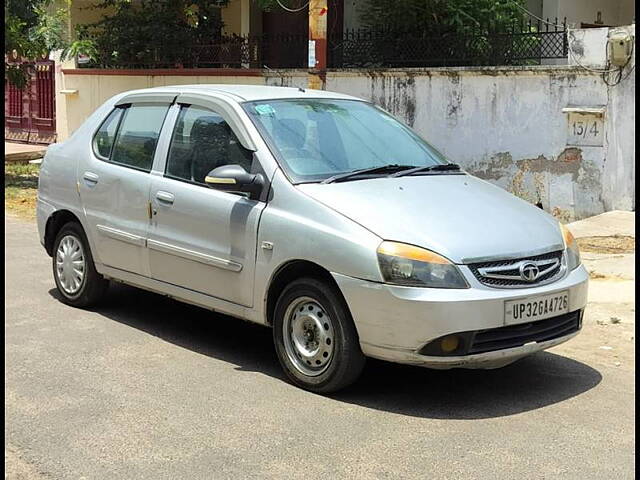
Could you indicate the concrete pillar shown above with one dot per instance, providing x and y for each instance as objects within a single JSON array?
[
  {"x": 317, "y": 44},
  {"x": 245, "y": 17},
  {"x": 62, "y": 95}
]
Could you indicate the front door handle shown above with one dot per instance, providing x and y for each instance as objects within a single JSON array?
[
  {"x": 165, "y": 197},
  {"x": 90, "y": 178}
]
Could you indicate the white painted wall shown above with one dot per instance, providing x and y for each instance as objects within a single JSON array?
[
  {"x": 507, "y": 128},
  {"x": 502, "y": 124},
  {"x": 588, "y": 47},
  {"x": 507, "y": 125},
  {"x": 618, "y": 185}
]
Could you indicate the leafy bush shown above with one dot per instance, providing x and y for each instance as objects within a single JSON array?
[
  {"x": 458, "y": 31},
  {"x": 31, "y": 32},
  {"x": 151, "y": 32},
  {"x": 441, "y": 16}
]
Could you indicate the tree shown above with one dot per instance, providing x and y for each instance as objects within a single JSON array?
[
  {"x": 152, "y": 32},
  {"x": 462, "y": 31},
  {"x": 33, "y": 29},
  {"x": 31, "y": 32},
  {"x": 440, "y": 15}
]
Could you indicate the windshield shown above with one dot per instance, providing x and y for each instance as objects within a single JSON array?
[{"x": 316, "y": 139}]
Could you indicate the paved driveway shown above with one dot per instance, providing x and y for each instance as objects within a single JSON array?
[
  {"x": 20, "y": 152},
  {"x": 146, "y": 387}
]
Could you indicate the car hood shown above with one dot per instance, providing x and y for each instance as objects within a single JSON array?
[{"x": 459, "y": 216}]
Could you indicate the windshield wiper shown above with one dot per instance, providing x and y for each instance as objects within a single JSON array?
[
  {"x": 430, "y": 168},
  {"x": 381, "y": 169}
]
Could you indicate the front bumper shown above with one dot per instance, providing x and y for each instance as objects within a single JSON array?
[
  {"x": 394, "y": 323},
  {"x": 43, "y": 211}
]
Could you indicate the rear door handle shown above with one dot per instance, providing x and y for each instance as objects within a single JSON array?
[
  {"x": 165, "y": 197},
  {"x": 90, "y": 178}
]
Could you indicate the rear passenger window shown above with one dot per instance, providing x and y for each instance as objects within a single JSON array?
[
  {"x": 103, "y": 141},
  {"x": 202, "y": 141},
  {"x": 135, "y": 143}
]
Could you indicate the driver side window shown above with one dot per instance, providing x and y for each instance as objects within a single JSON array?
[{"x": 202, "y": 141}]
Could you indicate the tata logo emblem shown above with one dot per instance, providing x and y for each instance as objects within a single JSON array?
[{"x": 529, "y": 272}]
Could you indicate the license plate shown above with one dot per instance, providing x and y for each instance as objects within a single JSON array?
[{"x": 536, "y": 308}]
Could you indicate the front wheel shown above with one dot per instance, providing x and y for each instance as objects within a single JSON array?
[{"x": 315, "y": 338}]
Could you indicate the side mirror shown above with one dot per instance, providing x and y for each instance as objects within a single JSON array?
[{"x": 234, "y": 178}]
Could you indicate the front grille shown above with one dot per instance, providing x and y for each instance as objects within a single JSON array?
[
  {"x": 507, "y": 283},
  {"x": 517, "y": 335}
]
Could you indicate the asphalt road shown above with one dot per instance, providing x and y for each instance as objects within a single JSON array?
[{"x": 146, "y": 387}]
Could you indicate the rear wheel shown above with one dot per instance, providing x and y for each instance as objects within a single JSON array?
[
  {"x": 77, "y": 280},
  {"x": 315, "y": 338}
]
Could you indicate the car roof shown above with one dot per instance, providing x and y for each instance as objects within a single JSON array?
[{"x": 249, "y": 93}]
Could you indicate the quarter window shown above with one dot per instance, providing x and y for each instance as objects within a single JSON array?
[
  {"x": 135, "y": 143},
  {"x": 202, "y": 141},
  {"x": 103, "y": 141}
]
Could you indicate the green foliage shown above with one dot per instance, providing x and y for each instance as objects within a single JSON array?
[
  {"x": 32, "y": 30},
  {"x": 20, "y": 188},
  {"x": 81, "y": 46},
  {"x": 28, "y": 34},
  {"x": 440, "y": 15},
  {"x": 21, "y": 174},
  {"x": 465, "y": 29},
  {"x": 150, "y": 31}
]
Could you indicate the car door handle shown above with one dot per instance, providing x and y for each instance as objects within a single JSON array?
[
  {"x": 90, "y": 178},
  {"x": 165, "y": 197}
]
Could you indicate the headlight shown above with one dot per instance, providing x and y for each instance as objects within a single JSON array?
[
  {"x": 410, "y": 266},
  {"x": 571, "y": 246}
]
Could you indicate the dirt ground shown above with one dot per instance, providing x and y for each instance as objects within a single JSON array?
[
  {"x": 21, "y": 189},
  {"x": 608, "y": 244}
]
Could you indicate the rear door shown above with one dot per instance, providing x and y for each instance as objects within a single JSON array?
[
  {"x": 114, "y": 181},
  {"x": 203, "y": 239}
]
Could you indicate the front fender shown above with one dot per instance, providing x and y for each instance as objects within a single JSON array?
[{"x": 297, "y": 227}]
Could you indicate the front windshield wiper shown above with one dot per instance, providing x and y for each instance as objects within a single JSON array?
[
  {"x": 430, "y": 168},
  {"x": 381, "y": 169}
]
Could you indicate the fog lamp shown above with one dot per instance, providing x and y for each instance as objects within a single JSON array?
[{"x": 449, "y": 344}]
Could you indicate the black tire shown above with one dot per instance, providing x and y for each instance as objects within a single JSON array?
[
  {"x": 93, "y": 285},
  {"x": 346, "y": 361}
]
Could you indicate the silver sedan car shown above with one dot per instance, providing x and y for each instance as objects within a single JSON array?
[{"x": 315, "y": 213}]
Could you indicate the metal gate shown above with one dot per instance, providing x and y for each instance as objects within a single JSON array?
[{"x": 30, "y": 113}]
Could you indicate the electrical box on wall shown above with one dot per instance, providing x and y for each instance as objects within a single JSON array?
[{"x": 619, "y": 44}]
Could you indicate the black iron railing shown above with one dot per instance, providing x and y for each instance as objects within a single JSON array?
[
  {"x": 287, "y": 50},
  {"x": 518, "y": 44}
]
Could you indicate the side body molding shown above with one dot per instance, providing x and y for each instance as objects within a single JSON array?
[
  {"x": 122, "y": 236},
  {"x": 195, "y": 256},
  {"x": 171, "y": 249}
]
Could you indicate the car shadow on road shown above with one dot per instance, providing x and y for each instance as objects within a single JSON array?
[{"x": 537, "y": 381}]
